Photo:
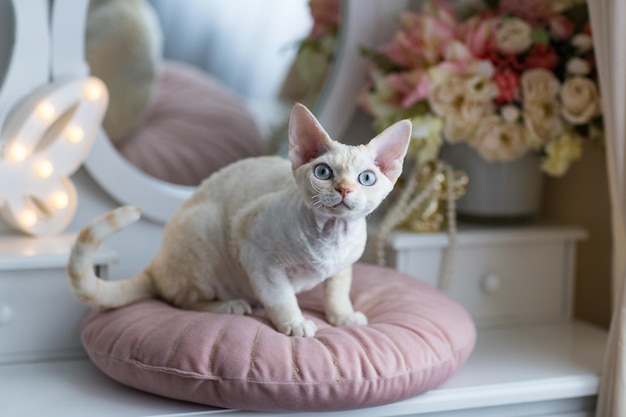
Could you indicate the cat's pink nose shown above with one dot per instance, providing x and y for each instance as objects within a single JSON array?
[{"x": 343, "y": 191}]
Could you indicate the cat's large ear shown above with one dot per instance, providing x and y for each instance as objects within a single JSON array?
[
  {"x": 389, "y": 148},
  {"x": 307, "y": 137}
]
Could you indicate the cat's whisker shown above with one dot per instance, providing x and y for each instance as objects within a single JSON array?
[
  {"x": 316, "y": 201},
  {"x": 318, "y": 189}
]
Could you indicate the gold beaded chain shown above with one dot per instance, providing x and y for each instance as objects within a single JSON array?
[{"x": 407, "y": 204}]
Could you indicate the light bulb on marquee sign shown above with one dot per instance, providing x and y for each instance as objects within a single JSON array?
[{"x": 36, "y": 194}]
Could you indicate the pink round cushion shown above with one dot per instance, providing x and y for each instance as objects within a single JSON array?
[
  {"x": 193, "y": 127},
  {"x": 416, "y": 338}
]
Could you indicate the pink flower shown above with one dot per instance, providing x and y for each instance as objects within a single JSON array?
[
  {"x": 561, "y": 27},
  {"x": 475, "y": 34},
  {"x": 405, "y": 50},
  {"x": 414, "y": 85},
  {"x": 442, "y": 11},
  {"x": 456, "y": 51},
  {"x": 423, "y": 39},
  {"x": 507, "y": 81},
  {"x": 459, "y": 60}
]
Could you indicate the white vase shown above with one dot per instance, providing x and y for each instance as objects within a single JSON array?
[{"x": 497, "y": 191}]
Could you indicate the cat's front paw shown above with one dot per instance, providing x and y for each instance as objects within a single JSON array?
[
  {"x": 303, "y": 327},
  {"x": 353, "y": 319}
]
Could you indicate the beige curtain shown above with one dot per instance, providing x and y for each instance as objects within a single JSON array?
[{"x": 608, "y": 21}]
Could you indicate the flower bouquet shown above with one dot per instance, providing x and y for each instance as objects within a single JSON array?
[{"x": 507, "y": 79}]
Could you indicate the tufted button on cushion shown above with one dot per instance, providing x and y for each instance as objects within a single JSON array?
[{"x": 416, "y": 339}]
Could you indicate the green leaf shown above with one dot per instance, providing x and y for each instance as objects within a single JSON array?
[
  {"x": 579, "y": 14},
  {"x": 541, "y": 36},
  {"x": 382, "y": 61},
  {"x": 420, "y": 108}
]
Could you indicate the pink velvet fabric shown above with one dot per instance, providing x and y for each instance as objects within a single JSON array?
[
  {"x": 194, "y": 127},
  {"x": 416, "y": 338}
]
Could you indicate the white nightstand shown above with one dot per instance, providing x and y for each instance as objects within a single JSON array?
[
  {"x": 501, "y": 275},
  {"x": 39, "y": 317}
]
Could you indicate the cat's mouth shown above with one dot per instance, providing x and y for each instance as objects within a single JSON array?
[{"x": 342, "y": 206}]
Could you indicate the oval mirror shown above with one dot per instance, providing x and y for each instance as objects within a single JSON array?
[{"x": 334, "y": 107}]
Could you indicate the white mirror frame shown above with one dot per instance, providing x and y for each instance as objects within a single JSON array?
[
  {"x": 361, "y": 25},
  {"x": 29, "y": 65}
]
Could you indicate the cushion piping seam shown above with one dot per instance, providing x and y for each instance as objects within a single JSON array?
[{"x": 160, "y": 369}]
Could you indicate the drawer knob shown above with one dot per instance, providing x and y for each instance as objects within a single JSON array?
[
  {"x": 6, "y": 314},
  {"x": 491, "y": 283}
]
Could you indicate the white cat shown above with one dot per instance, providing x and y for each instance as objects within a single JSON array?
[{"x": 262, "y": 229}]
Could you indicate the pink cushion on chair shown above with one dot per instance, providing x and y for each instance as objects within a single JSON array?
[
  {"x": 416, "y": 338},
  {"x": 194, "y": 127}
]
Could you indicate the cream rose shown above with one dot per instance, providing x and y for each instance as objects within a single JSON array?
[
  {"x": 510, "y": 113},
  {"x": 561, "y": 153},
  {"x": 456, "y": 128},
  {"x": 446, "y": 94},
  {"x": 478, "y": 87},
  {"x": 542, "y": 120},
  {"x": 498, "y": 141},
  {"x": 582, "y": 42},
  {"x": 577, "y": 66},
  {"x": 460, "y": 121},
  {"x": 473, "y": 110},
  {"x": 580, "y": 100},
  {"x": 539, "y": 85},
  {"x": 513, "y": 35}
]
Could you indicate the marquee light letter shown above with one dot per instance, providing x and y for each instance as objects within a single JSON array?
[{"x": 46, "y": 137}]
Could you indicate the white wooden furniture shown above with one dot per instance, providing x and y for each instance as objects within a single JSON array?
[
  {"x": 39, "y": 317},
  {"x": 502, "y": 275},
  {"x": 536, "y": 370},
  {"x": 547, "y": 368}
]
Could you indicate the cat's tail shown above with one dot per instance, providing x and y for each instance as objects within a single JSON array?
[{"x": 90, "y": 289}]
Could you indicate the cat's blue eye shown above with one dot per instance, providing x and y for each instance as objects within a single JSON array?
[
  {"x": 323, "y": 172},
  {"x": 367, "y": 178}
]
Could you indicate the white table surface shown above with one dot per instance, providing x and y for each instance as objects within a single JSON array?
[{"x": 524, "y": 364}]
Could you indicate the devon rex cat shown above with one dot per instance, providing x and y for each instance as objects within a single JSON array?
[{"x": 262, "y": 229}]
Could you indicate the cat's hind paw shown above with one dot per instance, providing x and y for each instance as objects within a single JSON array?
[
  {"x": 354, "y": 319},
  {"x": 236, "y": 306},
  {"x": 305, "y": 328}
]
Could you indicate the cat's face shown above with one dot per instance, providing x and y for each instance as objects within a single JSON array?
[
  {"x": 343, "y": 182},
  {"x": 339, "y": 180}
]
